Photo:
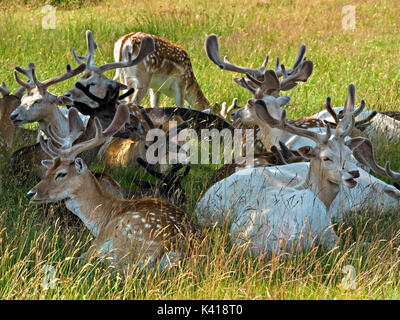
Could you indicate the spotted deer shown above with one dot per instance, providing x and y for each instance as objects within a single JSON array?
[
  {"x": 167, "y": 70},
  {"x": 143, "y": 232},
  {"x": 93, "y": 76},
  {"x": 280, "y": 218}
]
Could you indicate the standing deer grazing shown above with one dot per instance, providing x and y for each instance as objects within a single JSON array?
[
  {"x": 94, "y": 77},
  {"x": 138, "y": 232},
  {"x": 167, "y": 70}
]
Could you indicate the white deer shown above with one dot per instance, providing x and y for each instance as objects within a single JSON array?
[
  {"x": 280, "y": 219},
  {"x": 369, "y": 191}
]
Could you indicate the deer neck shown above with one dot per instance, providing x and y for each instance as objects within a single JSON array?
[
  {"x": 92, "y": 204},
  {"x": 55, "y": 118},
  {"x": 317, "y": 182},
  {"x": 196, "y": 97}
]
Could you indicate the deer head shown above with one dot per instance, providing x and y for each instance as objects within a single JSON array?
[
  {"x": 66, "y": 172},
  {"x": 330, "y": 158},
  {"x": 94, "y": 77},
  {"x": 38, "y": 104}
]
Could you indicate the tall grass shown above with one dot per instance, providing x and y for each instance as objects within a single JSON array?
[{"x": 367, "y": 56}]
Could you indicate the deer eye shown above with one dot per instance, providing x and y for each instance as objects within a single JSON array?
[
  {"x": 326, "y": 159},
  {"x": 61, "y": 175}
]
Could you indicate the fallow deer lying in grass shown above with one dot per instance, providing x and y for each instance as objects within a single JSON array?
[
  {"x": 94, "y": 77},
  {"x": 139, "y": 232},
  {"x": 167, "y": 70},
  {"x": 120, "y": 152},
  {"x": 42, "y": 106},
  {"x": 266, "y": 85},
  {"x": 274, "y": 219},
  {"x": 369, "y": 191}
]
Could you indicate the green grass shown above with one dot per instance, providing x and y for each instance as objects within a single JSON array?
[{"x": 367, "y": 56}]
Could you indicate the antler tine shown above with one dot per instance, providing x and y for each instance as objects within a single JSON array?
[
  {"x": 91, "y": 44},
  {"x": 390, "y": 173},
  {"x": 278, "y": 155},
  {"x": 300, "y": 55},
  {"x": 263, "y": 113},
  {"x": 225, "y": 111},
  {"x": 90, "y": 95},
  {"x": 126, "y": 94},
  {"x": 55, "y": 137},
  {"x": 147, "y": 46},
  {"x": 233, "y": 105},
  {"x": 24, "y": 84},
  {"x": 359, "y": 109},
  {"x": 46, "y": 149},
  {"x": 244, "y": 84},
  {"x": 146, "y": 118},
  {"x": 287, "y": 154},
  {"x": 65, "y": 76},
  {"x": 270, "y": 83},
  {"x": 212, "y": 51},
  {"x": 91, "y": 47},
  {"x": 77, "y": 58},
  {"x": 343, "y": 127},
  {"x": 332, "y": 112},
  {"x": 364, "y": 153},
  {"x": 264, "y": 65},
  {"x": 4, "y": 90},
  {"x": 37, "y": 83}
]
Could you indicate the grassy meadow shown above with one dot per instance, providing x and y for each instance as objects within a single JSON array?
[{"x": 368, "y": 56}]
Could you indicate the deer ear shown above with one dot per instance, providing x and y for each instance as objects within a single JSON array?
[
  {"x": 307, "y": 152},
  {"x": 64, "y": 100},
  {"x": 283, "y": 100},
  {"x": 80, "y": 166},
  {"x": 47, "y": 163}
]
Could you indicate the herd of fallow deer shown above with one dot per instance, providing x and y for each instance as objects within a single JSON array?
[{"x": 304, "y": 173}]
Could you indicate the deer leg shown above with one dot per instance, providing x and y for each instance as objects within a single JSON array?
[
  {"x": 142, "y": 86},
  {"x": 154, "y": 98},
  {"x": 179, "y": 94}
]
